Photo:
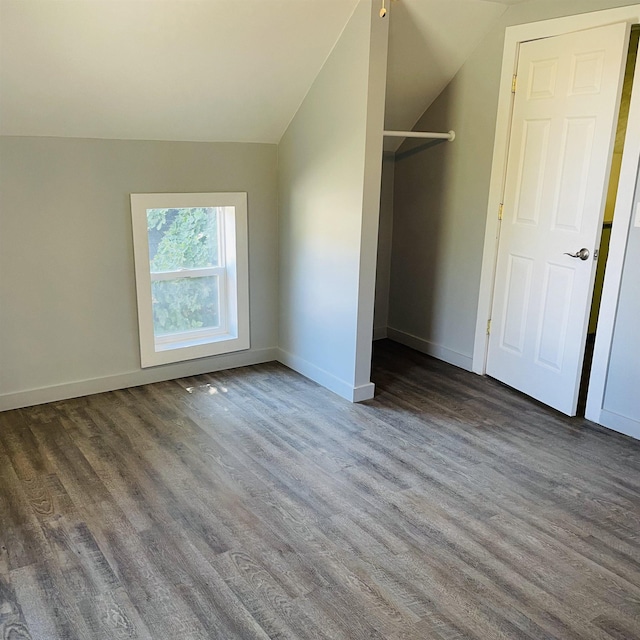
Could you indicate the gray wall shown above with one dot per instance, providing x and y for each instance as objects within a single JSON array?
[
  {"x": 622, "y": 391},
  {"x": 328, "y": 161},
  {"x": 68, "y": 322},
  {"x": 441, "y": 197},
  {"x": 385, "y": 235}
]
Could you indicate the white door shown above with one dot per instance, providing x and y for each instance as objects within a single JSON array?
[{"x": 563, "y": 127}]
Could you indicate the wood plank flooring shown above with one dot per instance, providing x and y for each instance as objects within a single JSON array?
[{"x": 253, "y": 504}]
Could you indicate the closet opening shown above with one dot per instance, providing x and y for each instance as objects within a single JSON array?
[{"x": 603, "y": 251}]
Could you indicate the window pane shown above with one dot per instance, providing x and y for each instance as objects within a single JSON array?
[
  {"x": 183, "y": 238},
  {"x": 185, "y": 304}
]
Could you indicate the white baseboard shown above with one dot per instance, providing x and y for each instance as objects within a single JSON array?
[
  {"x": 379, "y": 333},
  {"x": 364, "y": 392},
  {"x": 326, "y": 379},
  {"x": 135, "y": 378},
  {"x": 344, "y": 389},
  {"x": 619, "y": 423},
  {"x": 431, "y": 349}
]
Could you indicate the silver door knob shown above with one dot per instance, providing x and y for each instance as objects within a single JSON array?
[{"x": 583, "y": 254}]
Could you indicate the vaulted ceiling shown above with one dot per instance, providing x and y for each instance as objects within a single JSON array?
[{"x": 234, "y": 70}]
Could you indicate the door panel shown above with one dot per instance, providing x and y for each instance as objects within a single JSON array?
[
  {"x": 529, "y": 191},
  {"x": 554, "y": 315},
  {"x": 516, "y": 304},
  {"x": 563, "y": 127},
  {"x": 575, "y": 155}
]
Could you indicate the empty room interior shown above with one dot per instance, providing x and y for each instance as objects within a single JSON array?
[{"x": 319, "y": 319}]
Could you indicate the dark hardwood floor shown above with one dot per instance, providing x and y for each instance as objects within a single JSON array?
[{"x": 254, "y": 504}]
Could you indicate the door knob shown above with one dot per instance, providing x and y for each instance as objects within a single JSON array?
[{"x": 583, "y": 254}]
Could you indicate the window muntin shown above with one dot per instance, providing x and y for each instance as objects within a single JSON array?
[{"x": 191, "y": 274}]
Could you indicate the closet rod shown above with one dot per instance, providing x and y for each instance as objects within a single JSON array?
[{"x": 450, "y": 135}]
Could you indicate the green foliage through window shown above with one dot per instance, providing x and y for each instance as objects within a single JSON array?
[
  {"x": 183, "y": 239},
  {"x": 185, "y": 304}
]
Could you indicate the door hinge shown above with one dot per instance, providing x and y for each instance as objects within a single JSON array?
[
  {"x": 500, "y": 210},
  {"x": 489, "y": 327},
  {"x": 514, "y": 83}
]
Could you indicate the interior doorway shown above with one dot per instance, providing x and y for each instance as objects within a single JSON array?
[
  {"x": 614, "y": 180},
  {"x": 600, "y": 397},
  {"x": 565, "y": 110}
]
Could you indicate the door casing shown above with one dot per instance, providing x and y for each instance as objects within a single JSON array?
[{"x": 622, "y": 219}]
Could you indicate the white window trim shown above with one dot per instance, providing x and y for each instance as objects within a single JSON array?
[{"x": 234, "y": 289}]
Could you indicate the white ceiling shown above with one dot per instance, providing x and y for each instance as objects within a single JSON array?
[
  {"x": 161, "y": 69},
  {"x": 208, "y": 69}
]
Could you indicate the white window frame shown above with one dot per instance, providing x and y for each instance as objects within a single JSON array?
[{"x": 233, "y": 279}]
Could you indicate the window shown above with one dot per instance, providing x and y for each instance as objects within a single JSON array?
[{"x": 191, "y": 262}]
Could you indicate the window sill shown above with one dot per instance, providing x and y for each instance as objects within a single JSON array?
[{"x": 194, "y": 342}]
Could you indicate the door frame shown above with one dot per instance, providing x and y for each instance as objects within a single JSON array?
[
  {"x": 514, "y": 36},
  {"x": 622, "y": 220}
]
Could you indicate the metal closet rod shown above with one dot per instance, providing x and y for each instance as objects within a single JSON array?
[{"x": 450, "y": 135}]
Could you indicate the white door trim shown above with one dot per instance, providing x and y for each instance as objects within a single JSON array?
[
  {"x": 513, "y": 37},
  {"x": 615, "y": 262}
]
